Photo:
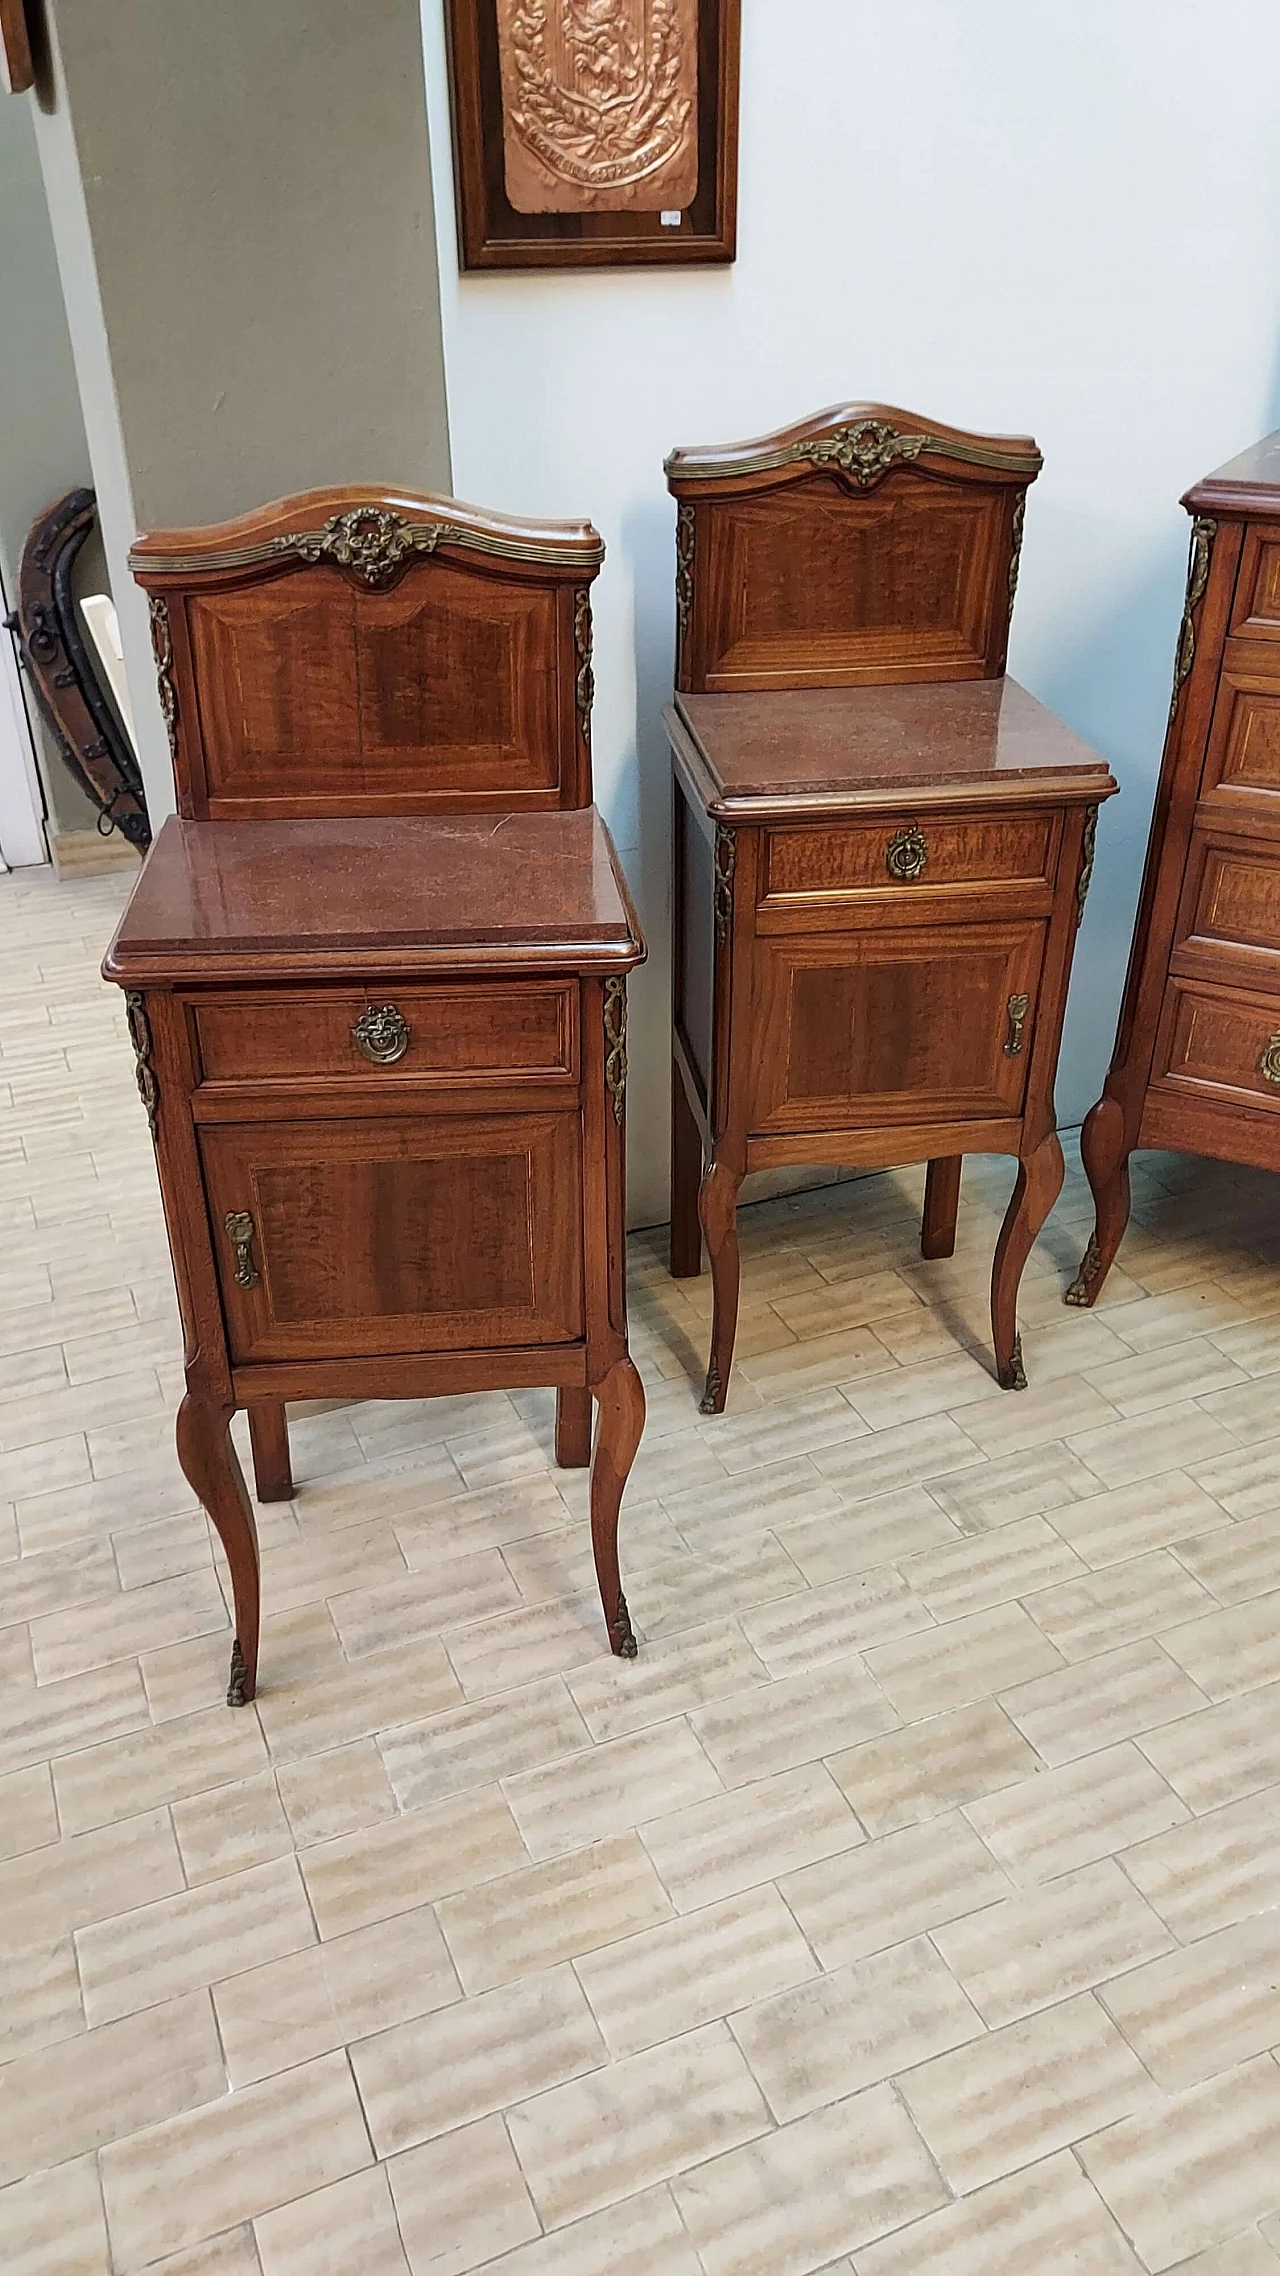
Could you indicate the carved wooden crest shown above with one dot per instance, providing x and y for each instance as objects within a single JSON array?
[{"x": 599, "y": 104}]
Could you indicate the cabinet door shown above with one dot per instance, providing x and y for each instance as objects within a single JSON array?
[
  {"x": 858, "y": 1030},
  {"x": 337, "y": 1239}
]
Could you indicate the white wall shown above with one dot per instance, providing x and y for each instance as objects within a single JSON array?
[{"x": 1054, "y": 216}]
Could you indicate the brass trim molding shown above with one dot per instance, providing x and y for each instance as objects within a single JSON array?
[
  {"x": 369, "y": 539},
  {"x": 684, "y": 567},
  {"x": 1015, "y": 557},
  {"x": 1088, "y": 843},
  {"x": 139, "y": 1026},
  {"x": 584, "y": 684},
  {"x": 162, "y": 650},
  {"x": 866, "y": 449},
  {"x": 615, "y": 1042},
  {"x": 1203, "y": 533},
  {"x": 726, "y": 861}
]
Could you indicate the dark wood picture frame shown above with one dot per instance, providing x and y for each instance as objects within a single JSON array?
[{"x": 493, "y": 235}]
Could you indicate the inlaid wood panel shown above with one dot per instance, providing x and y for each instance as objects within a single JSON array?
[
  {"x": 316, "y": 697},
  {"x": 900, "y": 1026},
  {"x": 453, "y": 1034},
  {"x": 881, "y": 856},
  {"x": 1257, "y": 604},
  {"x": 1231, "y": 907},
  {"x": 1244, "y": 743},
  {"x": 1212, "y": 1042},
  {"x": 397, "y": 1237},
  {"x": 816, "y": 588}
]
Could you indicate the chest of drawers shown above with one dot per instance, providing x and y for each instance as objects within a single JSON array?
[{"x": 1197, "y": 1058}]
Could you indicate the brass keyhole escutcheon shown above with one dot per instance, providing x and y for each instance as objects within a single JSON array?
[
  {"x": 382, "y": 1034},
  {"x": 1269, "y": 1063},
  {"x": 1017, "y": 1021},
  {"x": 240, "y": 1229},
  {"x": 906, "y": 854}
]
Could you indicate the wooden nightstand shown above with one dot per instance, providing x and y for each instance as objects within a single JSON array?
[
  {"x": 376, "y": 975},
  {"x": 881, "y": 845}
]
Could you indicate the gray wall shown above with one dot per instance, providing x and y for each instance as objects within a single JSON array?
[{"x": 42, "y": 440}]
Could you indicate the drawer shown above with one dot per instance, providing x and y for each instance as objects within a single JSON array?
[
  {"x": 386, "y": 1236},
  {"x": 1229, "y": 917},
  {"x": 1255, "y": 613},
  {"x": 389, "y": 1034},
  {"x": 1243, "y": 757},
  {"x": 902, "y": 857},
  {"x": 1219, "y": 1044},
  {"x": 859, "y": 1031}
]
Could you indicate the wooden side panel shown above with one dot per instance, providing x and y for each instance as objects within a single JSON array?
[
  {"x": 411, "y": 1236},
  {"x": 906, "y": 1026}
]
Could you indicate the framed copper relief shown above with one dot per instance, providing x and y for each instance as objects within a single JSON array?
[{"x": 594, "y": 133}]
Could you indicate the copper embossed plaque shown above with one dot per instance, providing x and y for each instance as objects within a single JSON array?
[{"x": 599, "y": 104}]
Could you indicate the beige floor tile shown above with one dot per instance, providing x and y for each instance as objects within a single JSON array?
[
  {"x": 1046, "y": 2221},
  {"x": 39, "y": 1996},
  {"x": 234, "y": 2253},
  {"x": 1112, "y": 1528},
  {"x": 1243, "y": 1561},
  {"x": 180, "y": 1942},
  {"x": 52, "y": 2224},
  {"x": 172, "y": 2185},
  {"x": 1194, "y": 2013},
  {"x": 459, "y": 2201},
  {"x": 467, "y": 2061},
  {"x": 59, "y": 1580},
  {"x": 28, "y": 1813},
  {"x": 552, "y": 1565},
  {"x": 693, "y": 1970},
  {"x": 319, "y": 1998},
  {"x": 168, "y": 1612},
  {"x": 1223, "y": 1753},
  {"x": 871, "y": 1297},
  {"x": 350, "y": 2225},
  {"x": 1094, "y": 1703},
  {"x": 57, "y": 1718},
  {"x": 53, "y": 1890},
  {"x": 821, "y": 2186},
  {"x": 1157, "y": 1320},
  {"x": 147, "y": 1768},
  {"x": 882, "y": 1463},
  {"x": 739, "y": 1840},
  {"x": 794, "y": 1721},
  {"x": 1246, "y": 2255},
  {"x": 610, "y": 1788},
  {"x": 1157, "y": 1377},
  {"x": 1176, "y": 1437},
  {"x": 162, "y": 1550},
  {"x": 1247, "y": 1484},
  {"x": 1270, "y": 2230},
  {"x": 1213, "y": 1871},
  {"x": 54, "y": 1464},
  {"x": 325, "y": 1795},
  {"x": 231, "y": 1829},
  {"x": 485, "y": 1519},
  {"x": 396, "y": 1610},
  {"x": 1233, "y": 1651},
  {"x": 386, "y": 1690},
  {"x": 1031, "y": 1951},
  {"x": 964, "y": 1661},
  {"x": 1074, "y": 1815},
  {"x": 845, "y": 1541},
  {"x": 1120, "y": 1605},
  {"x": 850, "y": 1355},
  {"x": 297, "y": 1647},
  {"x": 734, "y": 1512},
  {"x": 472, "y": 1745},
  {"x": 991, "y": 1568},
  {"x": 915, "y": 1773},
  {"x": 1000, "y": 1492},
  {"x": 1248, "y": 1410},
  {"x": 400, "y": 1863},
  {"x": 585, "y": 2144},
  {"x": 523, "y": 1646},
  {"x": 531, "y": 1920},
  {"x": 824, "y": 1624},
  {"x": 1024, "y": 2091},
  {"x": 643, "y": 2237},
  {"x": 1002, "y": 1425},
  {"x": 856, "y": 1903},
  {"x": 101, "y": 2084},
  {"x": 686, "y": 1591},
  {"x": 1193, "y": 2169},
  {"x": 851, "y": 2029},
  {"x": 933, "y": 1387},
  {"x": 616, "y": 1697}
]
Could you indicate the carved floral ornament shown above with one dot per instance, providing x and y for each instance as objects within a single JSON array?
[
  {"x": 866, "y": 450},
  {"x": 371, "y": 540}
]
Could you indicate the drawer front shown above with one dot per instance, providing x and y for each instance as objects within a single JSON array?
[
  {"x": 905, "y": 857},
  {"x": 389, "y": 1034},
  {"x": 1256, "y": 612},
  {"x": 1243, "y": 757},
  {"x": 860, "y": 1030},
  {"x": 1229, "y": 920},
  {"x": 341, "y": 1239},
  {"x": 1219, "y": 1044}
]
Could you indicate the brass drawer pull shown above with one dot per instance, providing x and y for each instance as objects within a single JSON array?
[
  {"x": 1017, "y": 1021},
  {"x": 239, "y": 1226},
  {"x": 1269, "y": 1063},
  {"x": 382, "y": 1033},
  {"x": 906, "y": 854}
]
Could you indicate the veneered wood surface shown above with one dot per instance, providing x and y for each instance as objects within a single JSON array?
[
  {"x": 1249, "y": 483},
  {"x": 505, "y": 1027},
  {"x": 852, "y": 746},
  {"x": 440, "y": 893}
]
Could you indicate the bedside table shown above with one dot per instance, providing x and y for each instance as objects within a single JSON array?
[
  {"x": 881, "y": 845},
  {"x": 378, "y": 1001}
]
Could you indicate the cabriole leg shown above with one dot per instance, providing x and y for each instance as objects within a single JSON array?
[
  {"x": 213, "y": 1473},
  {"x": 269, "y": 1439},
  {"x": 621, "y": 1401},
  {"x": 717, "y": 1213},
  {"x": 1039, "y": 1184},
  {"x": 941, "y": 1202},
  {"x": 573, "y": 1426},
  {"x": 1106, "y": 1165}
]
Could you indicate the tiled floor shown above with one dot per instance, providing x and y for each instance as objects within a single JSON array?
[{"x": 909, "y": 1908}]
